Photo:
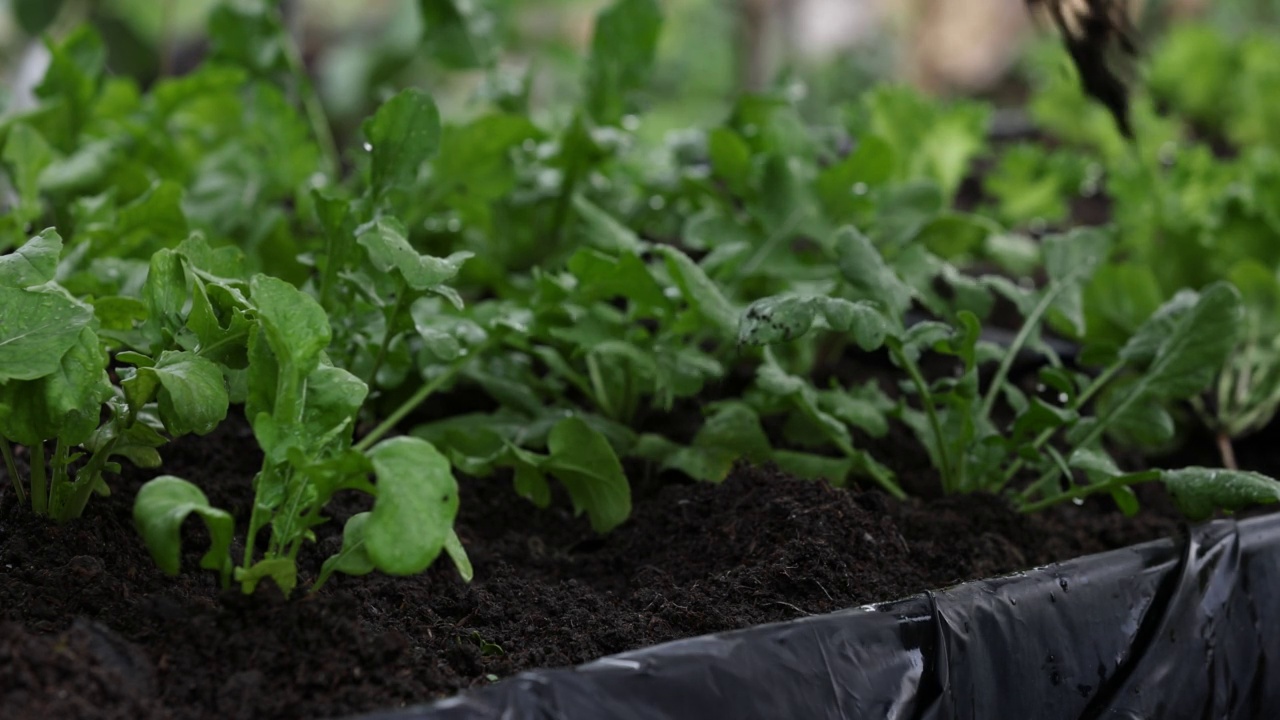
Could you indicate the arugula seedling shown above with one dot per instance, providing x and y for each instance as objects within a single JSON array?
[
  {"x": 54, "y": 387},
  {"x": 303, "y": 409}
]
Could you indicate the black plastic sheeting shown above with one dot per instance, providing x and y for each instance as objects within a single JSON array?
[{"x": 1169, "y": 629}]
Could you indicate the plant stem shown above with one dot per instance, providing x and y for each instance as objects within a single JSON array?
[
  {"x": 417, "y": 399},
  {"x": 39, "y": 480},
  {"x": 12, "y": 466},
  {"x": 935, "y": 425},
  {"x": 1044, "y": 436},
  {"x": 1029, "y": 325},
  {"x": 87, "y": 479},
  {"x": 255, "y": 516},
  {"x": 387, "y": 335},
  {"x": 1227, "y": 452},
  {"x": 1083, "y": 491},
  {"x": 310, "y": 100}
]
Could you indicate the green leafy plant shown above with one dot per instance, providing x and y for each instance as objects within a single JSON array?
[
  {"x": 303, "y": 410},
  {"x": 55, "y": 388},
  {"x": 1173, "y": 356}
]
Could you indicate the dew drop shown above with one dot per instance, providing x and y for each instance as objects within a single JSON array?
[
  {"x": 454, "y": 225},
  {"x": 368, "y": 147},
  {"x": 859, "y": 188}
]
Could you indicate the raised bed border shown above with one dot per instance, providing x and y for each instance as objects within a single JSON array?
[{"x": 1174, "y": 628}]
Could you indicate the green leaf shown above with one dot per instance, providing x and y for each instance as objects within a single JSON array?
[
  {"x": 37, "y": 327},
  {"x": 34, "y": 263},
  {"x": 458, "y": 34},
  {"x": 458, "y": 554},
  {"x": 865, "y": 269},
  {"x": 282, "y": 571},
  {"x": 622, "y": 54},
  {"x": 296, "y": 327},
  {"x": 353, "y": 558},
  {"x": 27, "y": 154},
  {"x": 192, "y": 393},
  {"x": 417, "y": 502},
  {"x": 584, "y": 462},
  {"x": 814, "y": 467},
  {"x": 904, "y": 210},
  {"x": 730, "y": 157},
  {"x": 65, "y": 403},
  {"x": 1199, "y": 491},
  {"x": 783, "y": 318},
  {"x": 334, "y": 397},
  {"x": 388, "y": 245},
  {"x": 704, "y": 464},
  {"x": 159, "y": 509},
  {"x": 701, "y": 292},
  {"x": 955, "y": 235},
  {"x": 602, "y": 230},
  {"x": 1186, "y": 342},
  {"x": 1070, "y": 260},
  {"x": 531, "y": 484},
  {"x": 404, "y": 133},
  {"x": 71, "y": 84},
  {"x": 36, "y": 15}
]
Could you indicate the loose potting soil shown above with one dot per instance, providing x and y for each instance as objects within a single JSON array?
[{"x": 89, "y": 628}]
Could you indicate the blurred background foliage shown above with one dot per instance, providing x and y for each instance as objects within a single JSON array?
[{"x": 823, "y": 51}]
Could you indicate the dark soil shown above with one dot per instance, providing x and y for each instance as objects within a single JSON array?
[{"x": 90, "y": 629}]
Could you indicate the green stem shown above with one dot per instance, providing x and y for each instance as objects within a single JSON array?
[
  {"x": 1083, "y": 491},
  {"x": 86, "y": 480},
  {"x": 12, "y": 466},
  {"x": 935, "y": 425},
  {"x": 311, "y": 104},
  {"x": 60, "y": 484},
  {"x": 39, "y": 480},
  {"x": 1029, "y": 324},
  {"x": 388, "y": 335},
  {"x": 560, "y": 216},
  {"x": 255, "y": 516},
  {"x": 1044, "y": 436},
  {"x": 417, "y": 399}
]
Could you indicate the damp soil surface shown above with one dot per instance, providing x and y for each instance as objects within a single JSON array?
[{"x": 90, "y": 629}]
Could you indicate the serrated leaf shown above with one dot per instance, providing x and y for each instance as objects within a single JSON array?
[
  {"x": 1187, "y": 344},
  {"x": 388, "y": 246}
]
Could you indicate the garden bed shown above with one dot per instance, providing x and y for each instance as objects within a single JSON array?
[{"x": 91, "y": 629}]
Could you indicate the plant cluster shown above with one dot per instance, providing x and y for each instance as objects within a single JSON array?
[{"x": 616, "y": 303}]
